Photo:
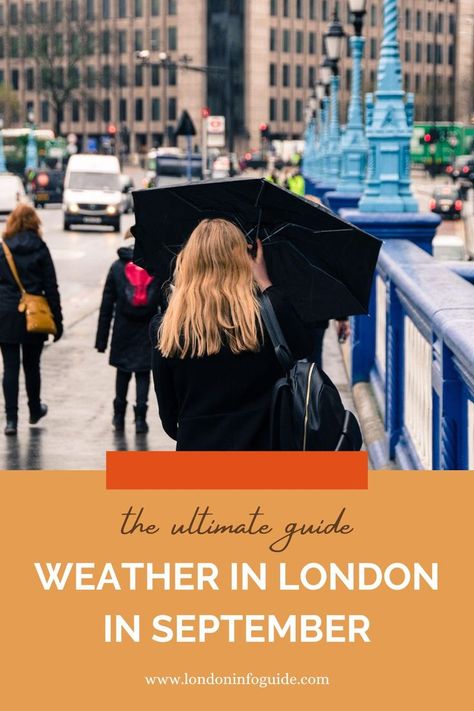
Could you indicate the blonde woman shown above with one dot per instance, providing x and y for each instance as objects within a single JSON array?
[{"x": 214, "y": 365}]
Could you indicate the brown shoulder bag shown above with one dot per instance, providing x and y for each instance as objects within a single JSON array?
[{"x": 39, "y": 318}]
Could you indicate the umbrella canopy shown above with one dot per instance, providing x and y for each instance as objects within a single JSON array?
[{"x": 324, "y": 264}]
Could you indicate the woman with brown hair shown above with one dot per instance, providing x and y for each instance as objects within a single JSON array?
[
  {"x": 214, "y": 365},
  {"x": 36, "y": 271}
]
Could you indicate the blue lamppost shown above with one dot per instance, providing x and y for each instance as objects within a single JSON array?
[
  {"x": 354, "y": 144},
  {"x": 309, "y": 156},
  {"x": 3, "y": 165},
  {"x": 325, "y": 71},
  {"x": 31, "y": 162},
  {"x": 320, "y": 95},
  {"x": 333, "y": 41}
]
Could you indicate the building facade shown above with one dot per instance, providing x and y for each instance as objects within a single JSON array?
[{"x": 255, "y": 61}]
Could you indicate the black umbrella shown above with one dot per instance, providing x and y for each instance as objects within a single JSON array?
[{"x": 324, "y": 264}]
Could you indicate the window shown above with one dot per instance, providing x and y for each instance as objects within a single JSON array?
[
  {"x": 273, "y": 8},
  {"x": 138, "y": 8},
  {"x": 286, "y": 75},
  {"x": 451, "y": 54},
  {"x": 106, "y": 110},
  {"x": 58, "y": 44},
  {"x": 106, "y": 9},
  {"x": 155, "y": 40},
  {"x": 44, "y": 112},
  {"x": 155, "y": 8},
  {"x": 43, "y": 45},
  {"x": 417, "y": 82},
  {"x": 273, "y": 40},
  {"x": 58, "y": 10},
  {"x": 138, "y": 74},
  {"x": 440, "y": 23},
  {"x": 324, "y": 10},
  {"x": 407, "y": 82},
  {"x": 407, "y": 51},
  {"x": 286, "y": 9},
  {"x": 418, "y": 52},
  {"x": 419, "y": 20},
  {"x": 106, "y": 42},
  {"x": 122, "y": 41},
  {"x": 172, "y": 75},
  {"x": 91, "y": 110},
  {"x": 285, "y": 105},
  {"x": 429, "y": 22},
  {"x": 373, "y": 48},
  {"x": 348, "y": 78},
  {"x": 272, "y": 109},
  {"x": 299, "y": 8},
  {"x": 2, "y": 15},
  {"x": 373, "y": 15},
  {"x": 43, "y": 11},
  {"x": 74, "y": 77},
  {"x": 299, "y": 76},
  {"x": 90, "y": 43},
  {"x": 439, "y": 54},
  {"x": 172, "y": 109},
  {"x": 14, "y": 46},
  {"x": 45, "y": 78},
  {"x": 138, "y": 109},
  {"x": 408, "y": 19},
  {"x": 2, "y": 50},
  {"x": 138, "y": 40},
  {"x": 273, "y": 75},
  {"x": 155, "y": 74},
  {"x": 106, "y": 76},
  {"x": 122, "y": 8},
  {"x": 29, "y": 46},
  {"x": 171, "y": 7},
  {"x": 452, "y": 25},
  {"x": 122, "y": 75},
  {"x": 298, "y": 110},
  {"x": 348, "y": 46},
  {"x": 172, "y": 38},
  {"x": 299, "y": 42},
  {"x": 13, "y": 13},
  {"x": 312, "y": 43},
  {"x": 155, "y": 110},
  {"x": 429, "y": 52},
  {"x": 90, "y": 14},
  {"x": 75, "y": 111},
  {"x": 90, "y": 77},
  {"x": 286, "y": 40},
  {"x": 312, "y": 10},
  {"x": 74, "y": 11},
  {"x": 123, "y": 110},
  {"x": 311, "y": 76},
  {"x": 15, "y": 79}
]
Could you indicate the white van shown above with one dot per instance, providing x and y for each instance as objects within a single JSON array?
[{"x": 92, "y": 191}]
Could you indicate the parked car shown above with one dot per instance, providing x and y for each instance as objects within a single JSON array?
[
  {"x": 92, "y": 193},
  {"x": 446, "y": 201},
  {"x": 47, "y": 187},
  {"x": 127, "y": 185},
  {"x": 11, "y": 192}
]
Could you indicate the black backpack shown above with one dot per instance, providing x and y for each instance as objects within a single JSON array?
[{"x": 306, "y": 409}]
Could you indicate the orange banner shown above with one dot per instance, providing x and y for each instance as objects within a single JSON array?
[{"x": 237, "y": 470}]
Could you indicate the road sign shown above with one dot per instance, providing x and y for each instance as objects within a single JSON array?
[{"x": 216, "y": 124}]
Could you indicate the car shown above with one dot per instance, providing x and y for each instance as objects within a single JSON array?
[
  {"x": 462, "y": 169},
  {"x": 12, "y": 192},
  {"x": 447, "y": 202},
  {"x": 92, "y": 193},
  {"x": 47, "y": 187},
  {"x": 127, "y": 185}
]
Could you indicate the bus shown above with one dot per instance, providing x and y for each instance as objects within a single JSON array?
[
  {"x": 448, "y": 142},
  {"x": 51, "y": 151}
]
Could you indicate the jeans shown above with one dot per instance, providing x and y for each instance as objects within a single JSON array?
[
  {"x": 142, "y": 382},
  {"x": 31, "y": 355}
]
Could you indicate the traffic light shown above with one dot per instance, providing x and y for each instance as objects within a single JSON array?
[
  {"x": 264, "y": 130},
  {"x": 431, "y": 136},
  {"x": 111, "y": 129}
]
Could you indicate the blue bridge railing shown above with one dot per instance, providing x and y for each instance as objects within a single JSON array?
[{"x": 417, "y": 350}]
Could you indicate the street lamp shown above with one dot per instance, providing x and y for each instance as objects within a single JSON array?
[
  {"x": 3, "y": 165},
  {"x": 354, "y": 145},
  {"x": 333, "y": 39},
  {"x": 31, "y": 162}
]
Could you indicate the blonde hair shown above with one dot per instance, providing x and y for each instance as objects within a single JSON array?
[
  {"x": 24, "y": 218},
  {"x": 214, "y": 299}
]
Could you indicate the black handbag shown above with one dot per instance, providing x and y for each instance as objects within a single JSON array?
[{"x": 306, "y": 409}]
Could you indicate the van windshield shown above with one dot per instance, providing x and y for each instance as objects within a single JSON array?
[{"x": 94, "y": 181}]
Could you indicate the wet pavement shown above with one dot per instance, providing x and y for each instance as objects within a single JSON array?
[{"x": 77, "y": 382}]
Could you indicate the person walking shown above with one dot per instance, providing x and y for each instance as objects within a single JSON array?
[
  {"x": 130, "y": 299},
  {"x": 32, "y": 260},
  {"x": 214, "y": 366}
]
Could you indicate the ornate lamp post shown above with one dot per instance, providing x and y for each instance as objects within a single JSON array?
[
  {"x": 333, "y": 41},
  {"x": 320, "y": 95},
  {"x": 31, "y": 162},
  {"x": 309, "y": 165},
  {"x": 354, "y": 144},
  {"x": 325, "y": 71},
  {"x": 3, "y": 165}
]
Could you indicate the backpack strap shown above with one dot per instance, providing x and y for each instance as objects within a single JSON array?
[
  {"x": 282, "y": 350},
  {"x": 12, "y": 265}
]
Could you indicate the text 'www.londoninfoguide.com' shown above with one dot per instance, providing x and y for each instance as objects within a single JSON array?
[{"x": 234, "y": 679}]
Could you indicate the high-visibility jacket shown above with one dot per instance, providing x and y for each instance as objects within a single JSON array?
[{"x": 296, "y": 184}]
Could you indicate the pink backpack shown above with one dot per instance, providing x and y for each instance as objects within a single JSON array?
[{"x": 136, "y": 289}]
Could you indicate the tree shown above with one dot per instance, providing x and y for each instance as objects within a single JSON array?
[
  {"x": 9, "y": 105},
  {"x": 57, "y": 38}
]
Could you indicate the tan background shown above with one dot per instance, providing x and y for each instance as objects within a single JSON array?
[{"x": 54, "y": 658}]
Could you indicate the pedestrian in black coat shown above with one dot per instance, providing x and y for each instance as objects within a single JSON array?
[
  {"x": 130, "y": 306},
  {"x": 215, "y": 367},
  {"x": 37, "y": 274}
]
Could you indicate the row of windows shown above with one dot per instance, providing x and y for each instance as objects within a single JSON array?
[
  {"x": 92, "y": 110},
  {"x": 71, "y": 10},
  {"x": 286, "y": 113},
  {"x": 435, "y": 22},
  {"x": 434, "y": 53},
  {"x": 298, "y": 41},
  {"x": 26, "y": 47}
]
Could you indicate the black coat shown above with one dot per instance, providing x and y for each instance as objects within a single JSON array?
[
  {"x": 36, "y": 271},
  {"x": 221, "y": 402},
  {"x": 130, "y": 347}
]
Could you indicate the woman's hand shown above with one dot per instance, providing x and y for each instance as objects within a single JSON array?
[{"x": 259, "y": 268}]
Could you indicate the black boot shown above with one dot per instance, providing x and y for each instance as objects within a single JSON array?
[
  {"x": 11, "y": 427},
  {"x": 36, "y": 415},
  {"x": 141, "y": 426},
  {"x": 118, "y": 421}
]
